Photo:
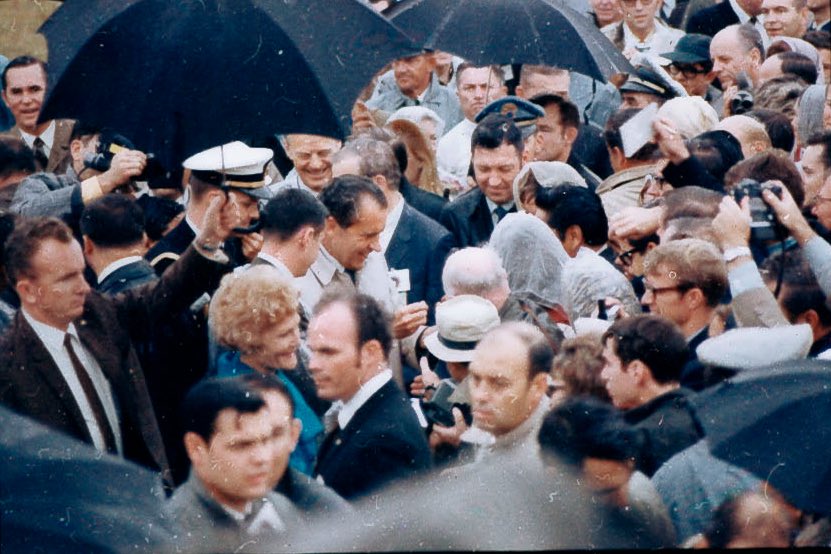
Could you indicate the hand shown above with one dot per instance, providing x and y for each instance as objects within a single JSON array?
[
  {"x": 124, "y": 166},
  {"x": 222, "y": 215},
  {"x": 635, "y": 222},
  {"x": 361, "y": 117},
  {"x": 449, "y": 435},
  {"x": 408, "y": 319},
  {"x": 620, "y": 312},
  {"x": 428, "y": 378},
  {"x": 732, "y": 224},
  {"x": 251, "y": 245},
  {"x": 670, "y": 141},
  {"x": 727, "y": 98},
  {"x": 788, "y": 213}
]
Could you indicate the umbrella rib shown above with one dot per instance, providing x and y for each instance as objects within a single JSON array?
[{"x": 537, "y": 36}]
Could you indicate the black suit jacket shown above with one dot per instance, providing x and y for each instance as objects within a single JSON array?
[
  {"x": 710, "y": 21},
  {"x": 420, "y": 245},
  {"x": 127, "y": 277},
  {"x": 171, "y": 246},
  {"x": 425, "y": 202},
  {"x": 107, "y": 328},
  {"x": 382, "y": 442},
  {"x": 469, "y": 219}
]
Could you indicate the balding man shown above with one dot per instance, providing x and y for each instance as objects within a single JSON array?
[
  {"x": 736, "y": 49},
  {"x": 312, "y": 159},
  {"x": 750, "y": 133}
]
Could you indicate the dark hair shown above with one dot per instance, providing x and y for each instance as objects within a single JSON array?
[
  {"x": 690, "y": 202},
  {"x": 15, "y": 157},
  {"x": 569, "y": 114},
  {"x": 208, "y": 398},
  {"x": 585, "y": 427},
  {"x": 25, "y": 240},
  {"x": 371, "y": 319},
  {"x": 158, "y": 213},
  {"x": 375, "y": 157},
  {"x": 262, "y": 383},
  {"x": 495, "y": 69},
  {"x": 799, "y": 65},
  {"x": 494, "y": 131},
  {"x": 611, "y": 134},
  {"x": 23, "y": 61},
  {"x": 717, "y": 151},
  {"x": 343, "y": 196},
  {"x": 83, "y": 131},
  {"x": 569, "y": 205},
  {"x": 289, "y": 211},
  {"x": 114, "y": 220},
  {"x": 800, "y": 289},
  {"x": 7, "y": 220},
  {"x": 578, "y": 364},
  {"x": 764, "y": 166},
  {"x": 778, "y": 127},
  {"x": 652, "y": 339},
  {"x": 823, "y": 138},
  {"x": 821, "y": 40}
]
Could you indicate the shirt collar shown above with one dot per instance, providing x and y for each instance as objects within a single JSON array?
[
  {"x": 630, "y": 38},
  {"x": 493, "y": 205},
  {"x": 115, "y": 266},
  {"x": 191, "y": 224},
  {"x": 744, "y": 17},
  {"x": 47, "y": 136},
  {"x": 326, "y": 265},
  {"x": 278, "y": 264},
  {"x": 351, "y": 406},
  {"x": 52, "y": 337},
  {"x": 393, "y": 217}
]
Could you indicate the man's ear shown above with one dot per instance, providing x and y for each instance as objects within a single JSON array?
[
  {"x": 3, "y": 95},
  {"x": 330, "y": 225},
  {"x": 196, "y": 447},
  {"x": 574, "y": 234},
  {"x": 381, "y": 181},
  {"x": 372, "y": 356},
  {"x": 296, "y": 429},
  {"x": 26, "y": 290},
  {"x": 694, "y": 298},
  {"x": 539, "y": 383},
  {"x": 638, "y": 370},
  {"x": 89, "y": 247},
  {"x": 570, "y": 134}
]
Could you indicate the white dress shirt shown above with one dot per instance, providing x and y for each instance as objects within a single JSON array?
[
  {"x": 351, "y": 406},
  {"x": 116, "y": 265},
  {"x": 47, "y": 136},
  {"x": 393, "y": 217},
  {"x": 52, "y": 339}
]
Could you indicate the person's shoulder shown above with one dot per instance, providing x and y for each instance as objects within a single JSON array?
[
  {"x": 431, "y": 230},
  {"x": 171, "y": 245},
  {"x": 467, "y": 200}
]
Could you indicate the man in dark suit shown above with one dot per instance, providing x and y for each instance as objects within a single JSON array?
[
  {"x": 375, "y": 437},
  {"x": 497, "y": 158},
  {"x": 710, "y": 21},
  {"x": 414, "y": 245},
  {"x": 24, "y": 86},
  {"x": 82, "y": 375},
  {"x": 114, "y": 243}
]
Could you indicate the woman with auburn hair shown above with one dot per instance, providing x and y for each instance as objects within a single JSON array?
[
  {"x": 254, "y": 316},
  {"x": 421, "y": 161}
]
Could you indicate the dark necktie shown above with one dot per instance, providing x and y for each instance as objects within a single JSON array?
[
  {"x": 352, "y": 274},
  {"x": 752, "y": 20},
  {"x": 92, "y": 397},
  {"x": 39, "y": 148},
  {"x": 500, "y": 213}
]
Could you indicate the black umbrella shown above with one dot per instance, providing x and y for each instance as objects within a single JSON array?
[
  {"x": 58, "y": 493},
  {"x": 776, "y": 423},
  {"x": 545, "y": 32},
  {"x": 179, "y": 77}
]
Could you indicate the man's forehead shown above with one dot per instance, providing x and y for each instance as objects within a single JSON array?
[
  {"x": 25, "y": 72},
  {"x": 502, "y": 152},
  {"x": 477, "y": 75},
  {"x": 300, "y": 141}
]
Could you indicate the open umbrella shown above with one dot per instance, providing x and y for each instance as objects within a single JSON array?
[
  {"x": 57, "y": 493},
  {"x": 776, "y": 423},
  {"x": 179, "y": 77},
  {"x": 545, "y": 32}
]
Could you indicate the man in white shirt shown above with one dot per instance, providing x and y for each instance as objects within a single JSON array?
[{"x": 373, "y": 435}]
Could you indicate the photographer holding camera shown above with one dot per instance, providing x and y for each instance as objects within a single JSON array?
[{"x": 50, "y": 194}]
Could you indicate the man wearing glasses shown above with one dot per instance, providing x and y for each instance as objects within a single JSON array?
[{"x": 692, "y": 68}]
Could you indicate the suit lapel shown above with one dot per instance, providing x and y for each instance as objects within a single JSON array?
[
  {"x": 397, "y": 249},
  {"x": 60, "y": 144}
]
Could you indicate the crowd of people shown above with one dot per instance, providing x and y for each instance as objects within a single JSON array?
[{"x": 501, "y": 267}]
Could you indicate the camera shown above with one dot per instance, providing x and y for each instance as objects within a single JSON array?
[
  {"x": 743, "y": 101},
  {"x": 109, "y": 144},
  {"x": 439, "y": 409},
  {"x": 764, "y": 226}
]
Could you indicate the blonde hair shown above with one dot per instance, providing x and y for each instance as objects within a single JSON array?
[
  {"x": 249, "y": 302},
  {"x": 418, "y": 153}
]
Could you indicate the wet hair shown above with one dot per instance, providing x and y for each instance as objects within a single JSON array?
[
  {"x": 750, "y": 39},
  {"x": 569, "y": 205},
  {"x": 765, "y": 166},
  {"x": 289, "y": 211},
  {"x": 778, "y": 127},
  {"x": 652, "y": 339},
  {"x": 690, "y": 202},
  {"x": 22, "y": 61},
  {"x": 114, "y": 220},
  {"x": 204, "y": 402},
  {"x": 343, "y": 197},
  {"x": 371, "y": 319},
  {"x": 540, "y": 352},
  {"x": 494, "y": 131},
  {"x": 780, "y": 93},
  {"x": 495, "y": 70},
  {"x": 697, "y": 263},
  {"x": 25, "y": 240},
  {"x": 578, "y": 365}
]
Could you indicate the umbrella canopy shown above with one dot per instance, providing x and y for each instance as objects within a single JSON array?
[
  {"x": 179, "y": 77},
  {"x": 57, "y": 492},
  {"x": 775, "y": 423},
  {"x": 544, "y": 32}
]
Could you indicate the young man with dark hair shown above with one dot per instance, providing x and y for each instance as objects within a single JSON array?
[
  {"x": 816, "y": 166},
  {"x": 16, "y": 163},
  {"x": 644, "y": 358},
  {"x": 375, "y": 437},
  {"x": 232, "y": 437},
  {"x": 496, "y": 147},
  {"x": 115, "y": 243}
]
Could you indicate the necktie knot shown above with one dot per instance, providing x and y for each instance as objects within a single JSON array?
[{"x": 500, "y": 212}]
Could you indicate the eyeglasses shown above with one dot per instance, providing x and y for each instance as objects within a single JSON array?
[
  {"x": 821, "y": 199},
  {"x": 688, "y": 71},
  {"x": 684, "y": 287},
  {"x": 626, "y": 257}
]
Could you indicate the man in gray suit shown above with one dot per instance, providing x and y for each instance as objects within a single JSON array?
[{"x": 231, "y": 438}]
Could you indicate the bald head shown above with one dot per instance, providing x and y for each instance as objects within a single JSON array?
[
  {"x": 736, "y": 49},
  {"x": 750, "y": 133},
  {"x": 476, "y": 271}
]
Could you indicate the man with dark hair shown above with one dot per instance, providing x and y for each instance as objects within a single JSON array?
[
  {"x": 778, "y": 127},
  {"x": 788, "y": 63},
  {"x": 114, "y": 243},
  {"x": 375, "y": 436},
  {"x": 785, "y": 18},
  {"x": 228, "y": 502},
  {"x": 292, "y": 226},
  {"x": 623, "y": 188},
  {"x": 507, "y": 380},
  {"x": 24, "y": 86},
  {"x": 496, "y": 147},
  {"x": 644, "y": 358},
  {"x": 83, "y": 375},
  {"x": 556, "y": 134},
  {"x": 413, "y": 245},
  {"x": 816, "y": 166},
  {"x": 65, "y": 195},
  {"x": 16, "y": 163},
  {"x": 576, "y": 216},
  {"x": 766, "y": 166}
]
